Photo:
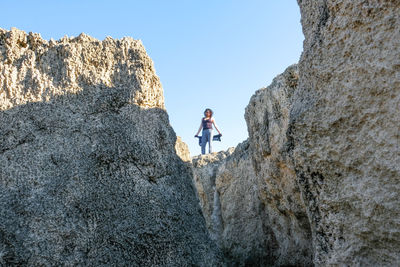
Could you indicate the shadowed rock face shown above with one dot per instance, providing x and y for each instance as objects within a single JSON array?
[
  {"x": 345, "y": 130},
  {"x": 88, "y": 169}
]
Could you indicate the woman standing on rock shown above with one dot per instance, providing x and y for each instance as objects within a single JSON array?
[{"x": 207, "y": 125}]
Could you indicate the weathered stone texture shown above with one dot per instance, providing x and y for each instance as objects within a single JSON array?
[
  {"x": 34, "y": 69},
  {"x": 205, "y": 168},
  {"x": 267, "y": 117},
  {"x": 345, "y": 130},
  {"x": 249, "y": 194},
  {"x": 88, "y": 170},
  {"x": 182, "y": 149},
  {"x": 324, "y": 144},
  {"x": 228, "y": 195}
]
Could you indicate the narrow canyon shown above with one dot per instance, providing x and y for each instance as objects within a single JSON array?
[{"x": 83, "y": 182}]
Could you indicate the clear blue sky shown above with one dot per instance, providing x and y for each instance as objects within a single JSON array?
[{"x": 209, "y": 53}]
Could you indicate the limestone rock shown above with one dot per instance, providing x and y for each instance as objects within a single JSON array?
[
  {"x": 229, "y": 197},
  {"x": 344, "y": 127},
  {"x": 323, "y": 146},
  {"x": 267, "y": 117},
  {"x": 35, "y": 70},
  {"x": 88, "y": 170},
  {"x": 249, "y": 194},
  {"x": 182, "y": 149},
  {"x": 204, "y": 175}
]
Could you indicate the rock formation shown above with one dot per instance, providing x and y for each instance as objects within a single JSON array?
[
  {"x": 88, "y": 169},
  {"x": 324, "y": 143},
  {"x": 228, "y": 194},
  {"x": 263, "y": 218},
  {"x": 325, "y": 147},
  {"x": 344, "y": 130},
  {"x": 91, "y": 173},
  {"x": 182, "y": 149},
  {"x": 267, "y": 117}
]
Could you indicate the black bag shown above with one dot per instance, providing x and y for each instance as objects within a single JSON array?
[{"x": 217, "y": 137}]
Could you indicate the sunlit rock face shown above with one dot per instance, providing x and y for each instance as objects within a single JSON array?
[
  {"x": 89, "y": 175},
  {"x": 344, "y": 126},
  {"x": 182, "y": 150},
  {"x": 35, "y": 70}
]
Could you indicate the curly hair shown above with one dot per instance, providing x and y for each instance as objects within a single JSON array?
[{"x": 208, "y": 109}]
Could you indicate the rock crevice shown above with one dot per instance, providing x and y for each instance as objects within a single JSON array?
[
  {"x": 91, "y": 172},
  {"x": 265, "y": 221}
]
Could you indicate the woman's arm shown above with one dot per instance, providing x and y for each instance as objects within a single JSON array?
[
  {"x": 201, "y": 126},
  {"x": 215, "y": 125}
]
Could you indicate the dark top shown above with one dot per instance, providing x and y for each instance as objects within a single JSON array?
[{"x": 207, "y": 124}]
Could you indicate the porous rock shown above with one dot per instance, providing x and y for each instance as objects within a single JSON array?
[
  {"x": 345, "y": 130},
  {"x": 324, "y": 147},
  {"x": 88, "y": 169},
  {"x": 267, "y": 117},
  {"x": 249, "y": 194},
  {"x": 228, "y": 195},
  {"x": 182, "y": 150}
]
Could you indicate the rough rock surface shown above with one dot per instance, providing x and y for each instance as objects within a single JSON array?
[
  {"x": 324, "y": 144},
  {"x": 345, "y": 130},
  {"x": 267, "y": 117},
  {"x": 88, "y": 170},
  {"x": 249, "y": 194},
  {"x": 34, "y": 69},
  {"x": 228, "y": 195},
  {"x": 204, "y": 174},
  {"x": 182, "y": 149}
]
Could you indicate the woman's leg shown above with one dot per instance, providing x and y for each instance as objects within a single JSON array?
[
  {"x": 210, "y": 141},
  {"x": 203, "y": 142}
]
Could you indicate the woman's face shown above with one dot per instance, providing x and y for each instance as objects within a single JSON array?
[{"x": 208, "y": 113}]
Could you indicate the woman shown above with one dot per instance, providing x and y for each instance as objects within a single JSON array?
[{"x": 207, "y": 125}]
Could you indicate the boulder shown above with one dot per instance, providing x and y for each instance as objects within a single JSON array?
[{"x": 88, "y": 169}]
